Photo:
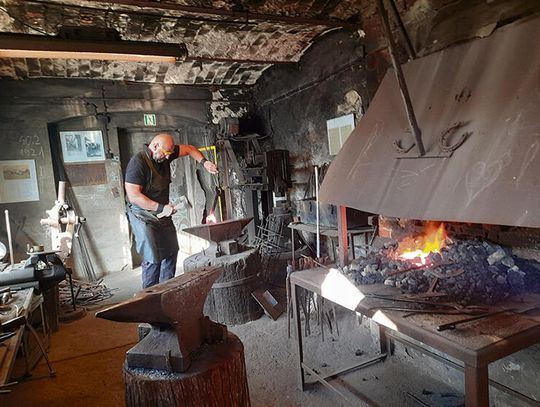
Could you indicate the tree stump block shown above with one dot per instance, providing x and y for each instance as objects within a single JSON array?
[
  {"x": 216, "y": 378},
  {"x": 230, "y": 301}
]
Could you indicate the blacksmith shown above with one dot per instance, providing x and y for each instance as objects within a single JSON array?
[{"x": 147, "y": 180}]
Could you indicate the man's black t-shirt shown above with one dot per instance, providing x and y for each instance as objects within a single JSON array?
[{"x": 139, "y": 173}]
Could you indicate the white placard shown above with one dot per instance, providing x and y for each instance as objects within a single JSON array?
[
  {"x": 339, "y": 129},
  {"x": 18, "y": 181},
  {"x": 82, "y": 146}
]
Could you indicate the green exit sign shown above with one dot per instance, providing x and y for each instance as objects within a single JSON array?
[{"x": 150, "y": 119}]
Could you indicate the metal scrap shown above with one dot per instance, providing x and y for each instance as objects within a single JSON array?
[{"x": 85, "y": 293}]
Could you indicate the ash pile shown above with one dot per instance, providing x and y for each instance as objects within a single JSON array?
[{"x": 464, "y": 271}]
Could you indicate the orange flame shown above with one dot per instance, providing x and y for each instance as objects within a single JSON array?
[
  {"x": 418, "y": 247},
  {"x": 211, "y": 218}
]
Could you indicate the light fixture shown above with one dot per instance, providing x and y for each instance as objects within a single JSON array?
[{"x": 37, "y": 46}]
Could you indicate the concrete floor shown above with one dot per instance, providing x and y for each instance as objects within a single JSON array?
[{"x": 88, "y": 355}]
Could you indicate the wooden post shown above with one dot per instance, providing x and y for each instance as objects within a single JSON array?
[
  {"x": 342, "y": 237},
  {"x": 216, "y": 377}
]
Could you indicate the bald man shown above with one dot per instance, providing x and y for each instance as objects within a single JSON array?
[{"x": 147, "y": 180}]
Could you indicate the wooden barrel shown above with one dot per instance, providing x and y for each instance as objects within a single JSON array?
[
  {"x": 229, "y": 301},
  {"x": 216, "y": 378}
]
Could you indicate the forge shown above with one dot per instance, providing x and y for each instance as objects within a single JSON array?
[{"x": 431, "y": 265}]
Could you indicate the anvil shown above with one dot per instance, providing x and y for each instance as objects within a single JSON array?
[
  {"x": 217, "y": 233},
  {"x": 175, "y": 311}
]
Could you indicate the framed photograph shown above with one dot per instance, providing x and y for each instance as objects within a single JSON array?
[
  {"x": 82, "y": 146},
  {"x": 18, "y": 181}
]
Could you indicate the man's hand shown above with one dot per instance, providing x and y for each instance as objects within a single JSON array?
[
  {"x": 168, "y": 210},
  {"x": 210, "y": 167}
]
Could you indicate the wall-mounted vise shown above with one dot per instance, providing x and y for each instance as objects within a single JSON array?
[{"x": 175, "y": 311}]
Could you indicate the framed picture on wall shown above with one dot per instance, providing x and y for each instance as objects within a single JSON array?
[
  {"x": 18, "y": 181},
  {"x": 82, "y": 146}
]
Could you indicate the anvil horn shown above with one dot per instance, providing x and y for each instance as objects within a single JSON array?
[{"x": 177, "y": 303}]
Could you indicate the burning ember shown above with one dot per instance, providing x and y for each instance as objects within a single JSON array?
[
  {"x": 211, "y": 218},
  {"x": 436, "y": 267},
  {"x": 417, "y": 248}
]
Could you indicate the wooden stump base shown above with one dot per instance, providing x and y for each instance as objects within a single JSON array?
[
  {"x": 216, "y": 378},
  {"x": 230, "y": 301}
]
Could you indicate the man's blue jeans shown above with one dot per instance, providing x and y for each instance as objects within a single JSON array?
[{"x": 154, "y": 273}]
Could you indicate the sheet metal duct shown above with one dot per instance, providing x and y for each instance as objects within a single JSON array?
[{"x": 491, "y": 87}]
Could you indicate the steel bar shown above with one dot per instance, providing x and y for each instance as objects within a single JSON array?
[
  {"x": 452, "y": 325},
  {"x": 317, "y": 220},
  {"x": 433, "y": 303},
  {"x": 417, "y": 400},
  {"x": 295, "y": 291},
  {"x": 402, "y": 83},
  {"x": 406, "y": 39},
  {"x": 425, "y": 310},
  {"x": 326, "y": 384},
  {"x": 41, "y": 348},
  {"x": 365, "y": 363}
]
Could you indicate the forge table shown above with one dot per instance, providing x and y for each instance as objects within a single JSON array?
[{"x": 475, "y": 344}]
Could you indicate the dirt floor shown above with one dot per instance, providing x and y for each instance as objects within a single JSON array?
[{"x": 88, "y": 356}]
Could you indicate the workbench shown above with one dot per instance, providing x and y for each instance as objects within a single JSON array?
[
  {"x": 23, "y": 304},
  {"x": 475, "y": 344}
]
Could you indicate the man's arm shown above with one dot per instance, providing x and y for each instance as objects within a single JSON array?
[
  {"x": 193, "y": 152},
  {"x": 135, "y": 196}
]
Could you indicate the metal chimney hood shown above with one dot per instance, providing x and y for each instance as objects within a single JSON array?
[{"x": 484, "y": 94}]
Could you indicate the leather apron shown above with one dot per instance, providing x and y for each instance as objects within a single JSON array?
[{"x": 155, "y": 237}]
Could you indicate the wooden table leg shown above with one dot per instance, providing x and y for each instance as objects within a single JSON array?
[
  {"x": 476, "y": 386},
  {"x": 298, "y": 337}
]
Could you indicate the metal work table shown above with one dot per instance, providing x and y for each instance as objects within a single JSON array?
[{"x": 476, "y": 344}]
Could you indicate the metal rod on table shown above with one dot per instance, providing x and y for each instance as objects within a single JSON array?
[
  {"x": 318, "y": 235},
  {"x": 10, "y": 242}
]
